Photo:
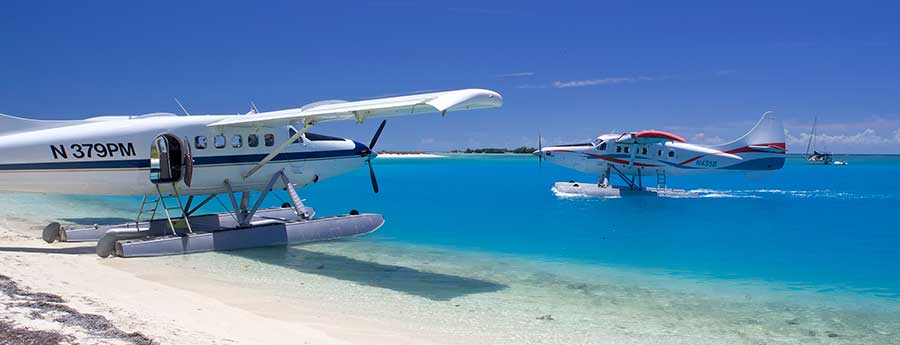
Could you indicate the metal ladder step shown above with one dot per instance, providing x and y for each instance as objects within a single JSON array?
[{"x": 296, "y": 202}]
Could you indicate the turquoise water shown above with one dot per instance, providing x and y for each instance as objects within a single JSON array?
[{"x": 822, "y": 228}]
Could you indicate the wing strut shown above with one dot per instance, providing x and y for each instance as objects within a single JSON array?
[{"x": 278, "y": 149}]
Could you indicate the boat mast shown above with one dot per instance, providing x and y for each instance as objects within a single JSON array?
[{"x": 812, "y": 135}]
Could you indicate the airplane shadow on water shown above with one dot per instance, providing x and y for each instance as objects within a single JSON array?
[{"x": 430, "y": 285}]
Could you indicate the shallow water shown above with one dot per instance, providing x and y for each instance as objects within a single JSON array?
[{"x": 806, "y": 254}]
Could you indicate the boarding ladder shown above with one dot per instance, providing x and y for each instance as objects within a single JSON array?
[
  {"x": 661, "y": 179},
  {"x": 296, "y": 202},
  {"x": 160, "y": 198}
]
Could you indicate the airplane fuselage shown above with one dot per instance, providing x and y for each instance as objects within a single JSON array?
[
  {"x": 111, "y": 156},
  {"x": 672, "y": 158}
]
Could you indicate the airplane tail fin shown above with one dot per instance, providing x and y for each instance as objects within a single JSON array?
[
  {"x": 763, "y": 146},
  {"x": 768, "y": 132},
  {"x": 11, "y": 124}
]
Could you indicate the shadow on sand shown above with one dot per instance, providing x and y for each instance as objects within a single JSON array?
[
  {"x": 433, "y": 286},
  {"x": 68, "y": 250},
  {"x": 97, "y": 220}
]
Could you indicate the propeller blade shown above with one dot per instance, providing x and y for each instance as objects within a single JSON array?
[
  {"x": 372, "y": 175},
  {"x": 540, "y": 149},
  {"x": 377, "y": 134}
]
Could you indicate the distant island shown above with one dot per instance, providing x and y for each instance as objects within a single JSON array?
[{"x": 523, "y": 149}]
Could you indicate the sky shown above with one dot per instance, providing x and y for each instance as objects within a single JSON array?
[{"x": 568, "y": 71}]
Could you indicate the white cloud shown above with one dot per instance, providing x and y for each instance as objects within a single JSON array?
[
  {"x": 866, "y": 137},
  {"x": 531, "y": 86},
  {"x": 702, "y": 138},
  {"x": 516, "y": 74},
  {"x": 604, "y": 81}
]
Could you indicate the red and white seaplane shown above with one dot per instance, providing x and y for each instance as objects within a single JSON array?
[{"x": 634, "y": 155}]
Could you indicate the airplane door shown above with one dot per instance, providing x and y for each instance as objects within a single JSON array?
[
  {"x": 188, "y": 160},
  {"x": 166, "y": 159}
]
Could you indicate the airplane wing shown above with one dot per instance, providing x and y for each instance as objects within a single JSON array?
[
  {"x": 437, "y": 102},
  {"x": 649, "y": 137}
]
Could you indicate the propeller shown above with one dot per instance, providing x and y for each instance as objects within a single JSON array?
[
  {"x": 367, "y": 152},
  {"x": 540, "y": 151}
]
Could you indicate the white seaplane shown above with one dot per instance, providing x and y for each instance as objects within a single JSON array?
[
  {"x": 164, "y": 158},
  {"x": 633, "y": 155}
]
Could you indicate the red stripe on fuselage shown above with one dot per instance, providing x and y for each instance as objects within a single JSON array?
[
  {"x": 614, "y": 160},
  {"x": 740, "y": 150}
]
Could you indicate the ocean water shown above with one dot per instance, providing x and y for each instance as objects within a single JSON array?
[
  {"x": 806, "y": 254},
  {"x": 807, "y": 226}
]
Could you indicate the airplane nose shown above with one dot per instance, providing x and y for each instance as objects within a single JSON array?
[
  {"x": 537, "y": 153},
  {"x": 362, "y": 149}
]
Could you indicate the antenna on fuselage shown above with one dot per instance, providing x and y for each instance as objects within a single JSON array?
[
  {"x": 182, "y": 107},
  {"x": 253, "y": 109}
]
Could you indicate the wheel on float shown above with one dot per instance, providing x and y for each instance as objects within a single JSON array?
[
  {"x": 51, "y": 232},
  {"x": 107, "y": 245}
]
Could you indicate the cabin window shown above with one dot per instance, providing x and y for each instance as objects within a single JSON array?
[
  {"x": 219, "y": 141},
  {"x": 602, "y": 147},
  {"x": 269, "y": 139},
  {"x": 659, "y": 153},
  {"x": 252, "y": 140},
  {"x": 200, "y": 142},
  {"x": 644, "y": 151},
  {"x": 626, "y": 149},
  {"x": 618, "y": 148},
  {"x": 237, "y": 141},
  {"x": 671, "y": 153}
]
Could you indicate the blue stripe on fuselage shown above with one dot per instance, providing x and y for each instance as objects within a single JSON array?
[{"x": 198, "y": 161}]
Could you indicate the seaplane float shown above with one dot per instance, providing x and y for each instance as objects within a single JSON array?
[
  {"x": 180, "y": 163},
  {"x": 633, "y": 155}
]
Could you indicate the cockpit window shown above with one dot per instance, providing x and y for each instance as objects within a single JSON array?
[
  {"x": 319, "y": 137},
  {"x": 292, "y": 132},
  {"x": 602, "y": 147}
]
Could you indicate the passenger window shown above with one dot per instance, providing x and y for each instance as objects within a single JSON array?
[
  {"x": 219, "y": 141},
  {"x": 270, "y": 139},
  {"x": 618, "y": 148},
  {"x": 659, "y": 153},
  {"x": 252, "y": 140},
  {"x": 237, "y": 141},
  {"x": 644, "y": 151},
  {"x": 626, "y": 149},
  {"x": 200, "y": 142},
  {"x": 602, "y": 147},
  {"x": 671, "y": 153}
]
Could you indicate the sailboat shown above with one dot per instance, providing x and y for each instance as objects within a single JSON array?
[{"x": 824, "y": 158}]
